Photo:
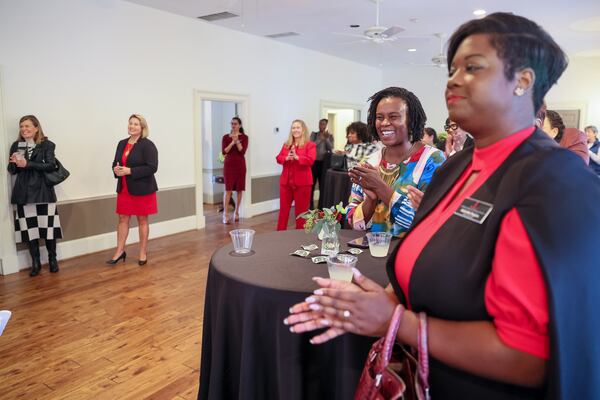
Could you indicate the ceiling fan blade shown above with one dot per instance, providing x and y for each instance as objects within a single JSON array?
[
  {"x": 392, "y": 31},
  {"x": 354, "y": 42},
  {"x": 351, "y": 35}
]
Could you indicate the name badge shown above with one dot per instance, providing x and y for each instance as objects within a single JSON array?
[{"x": 474, "y": 210}]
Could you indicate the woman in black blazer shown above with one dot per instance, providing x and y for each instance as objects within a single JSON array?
[
  {"x": 135, "y": 163},
  {"x": 31, "y": 156}
]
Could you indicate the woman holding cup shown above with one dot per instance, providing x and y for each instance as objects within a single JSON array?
[
  {"x": 35, "y": 201},
  {"x": 134, "y": 166}
]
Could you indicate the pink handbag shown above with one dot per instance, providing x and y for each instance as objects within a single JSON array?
[{"x": 400, "y": 377}]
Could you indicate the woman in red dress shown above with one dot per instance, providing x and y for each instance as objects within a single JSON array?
[
  {"x": 135, "y": 163},
  {"x": 234, "y": 146}
]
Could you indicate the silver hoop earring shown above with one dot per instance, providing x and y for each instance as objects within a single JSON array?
[{"x": 519, "y": 91}]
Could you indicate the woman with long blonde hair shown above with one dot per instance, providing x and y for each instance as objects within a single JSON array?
[{"x": 297, "y": 156}]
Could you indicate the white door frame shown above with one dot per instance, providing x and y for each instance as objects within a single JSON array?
[
  {"x": 244, "y": 113},
  {"x": 327, "y": 104},
  {"x": 8, "y": 249}
]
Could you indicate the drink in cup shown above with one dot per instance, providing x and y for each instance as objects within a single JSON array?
[
  {"x": 340, "y": 266},
  {"x": 379, "y": 243}
]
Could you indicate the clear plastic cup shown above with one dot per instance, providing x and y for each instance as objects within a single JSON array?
[
  {"x": 379, "y": 243},
  {"x": 340, "y": 266},
  {"x": 242, "y": 240}
]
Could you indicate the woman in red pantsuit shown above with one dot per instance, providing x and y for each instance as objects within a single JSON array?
[
  {"x": 135, "y": 163},
  {"x": 297, "y": 157},
  {"x": 234, "y": 146}
]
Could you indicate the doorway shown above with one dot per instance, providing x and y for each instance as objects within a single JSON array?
[
  {"x": 339, "y": 116},
  {"x": 213, "y": 113}
]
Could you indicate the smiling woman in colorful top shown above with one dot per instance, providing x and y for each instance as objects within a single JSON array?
[{"x": 380, "y": 199}]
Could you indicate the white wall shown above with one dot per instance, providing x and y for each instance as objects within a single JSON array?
[
  {"x": 579, "y": 85},
  {"x": 428, "y": 84},
  {"x": 83, "y": 66}
]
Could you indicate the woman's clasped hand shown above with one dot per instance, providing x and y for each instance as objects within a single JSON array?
[{"x": 362, "y": 307}]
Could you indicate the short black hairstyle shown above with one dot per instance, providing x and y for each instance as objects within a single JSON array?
[
  {"x": 556, "y": 121},
  {"x": 520, "y": 43},
  {"x": 431, "y": 132},
  {"x": 416, "y": 113},
  {"x": 323, "y": 120},
  {"x": 361, "y": 131}
]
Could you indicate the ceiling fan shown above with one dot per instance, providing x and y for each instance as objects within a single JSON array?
[
  {"x": 439, "y": 60},
  {"x": 377, "y": 34}
]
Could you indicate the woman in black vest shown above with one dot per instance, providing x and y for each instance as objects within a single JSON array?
[
  {"x": 498, "y": 256},
  {"x": 134, "y": 166},
  {"x": 35, "y": 201}
]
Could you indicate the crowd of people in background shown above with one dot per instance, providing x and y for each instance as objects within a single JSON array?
[{"x": 498, "y": 304}]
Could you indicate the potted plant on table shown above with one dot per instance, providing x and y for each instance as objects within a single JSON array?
[{"x": 326, "y": 223}]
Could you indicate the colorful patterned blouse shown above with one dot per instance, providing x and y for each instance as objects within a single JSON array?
[{"x": 397, "y": 216}]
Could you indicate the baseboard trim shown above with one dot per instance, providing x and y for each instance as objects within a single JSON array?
[
  {"x": 263, "y": 207},
  {"x": 92, "y": 244}
]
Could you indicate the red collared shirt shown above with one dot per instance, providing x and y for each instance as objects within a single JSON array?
[{"x": 515, "y": 293}]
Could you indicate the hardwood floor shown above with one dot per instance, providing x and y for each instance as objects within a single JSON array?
[{"x": 126, "y": 332}]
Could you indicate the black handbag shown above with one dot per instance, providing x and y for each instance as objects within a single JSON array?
[
  {"x": 339, "y": 162},
  {"x": 59, "y": 174}
]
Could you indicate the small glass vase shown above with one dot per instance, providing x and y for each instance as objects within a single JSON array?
[{"x": 330, "y": 244}]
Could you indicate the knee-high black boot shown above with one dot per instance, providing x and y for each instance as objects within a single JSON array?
[
  {"x": 52, "y": 262},
  {"x": 34, "y": 250}
]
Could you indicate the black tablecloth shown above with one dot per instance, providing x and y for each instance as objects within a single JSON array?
[
  {"x": 337, "y": 188},
  {"x": 247, "y": 351}
]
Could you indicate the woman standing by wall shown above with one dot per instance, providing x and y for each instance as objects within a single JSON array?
[
  {"x": 37, "y": 217},
  {"x": 297, "y": 157},
  {"x": 134, "y": 166},
  {"x": 234, "y": 146}
]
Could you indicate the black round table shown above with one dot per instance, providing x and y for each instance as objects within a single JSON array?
[{"x": 247, "y": 351}]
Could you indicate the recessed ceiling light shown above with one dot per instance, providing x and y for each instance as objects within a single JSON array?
[
  {"x": 414, "y": 20},
  {"x": 479, "y": 13},
  {"x": 412, "y": 50}
]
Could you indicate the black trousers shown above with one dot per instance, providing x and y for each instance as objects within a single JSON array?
[{"x": 318, "y": 172}]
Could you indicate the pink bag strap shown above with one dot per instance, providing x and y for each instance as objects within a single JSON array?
[
  {"x": 423, "y": 364},
  {"x": 390, "y": 339}
]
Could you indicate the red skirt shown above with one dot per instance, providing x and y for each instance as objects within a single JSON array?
[{"x": 128, "y": 204}]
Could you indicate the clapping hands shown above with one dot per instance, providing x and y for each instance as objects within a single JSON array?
[
  {"x": 292, "y": 154},
  {"x": 362, "y": 307}
]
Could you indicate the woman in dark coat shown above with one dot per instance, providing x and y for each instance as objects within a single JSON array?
[
  {"x": 134, "y": 166},
  {"x": 497, "y": 260},
  {"x": 35, "y": 201}
]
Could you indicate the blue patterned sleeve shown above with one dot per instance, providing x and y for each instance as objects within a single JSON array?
[{"x": 401, "y": 211}]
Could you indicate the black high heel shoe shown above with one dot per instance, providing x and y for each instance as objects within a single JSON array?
[
  {"x": 142, "y": 262},
  {"x": 113, "y": 262}
]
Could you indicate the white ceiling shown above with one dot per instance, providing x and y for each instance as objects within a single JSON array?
[{"x": 316, "y": 21}]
